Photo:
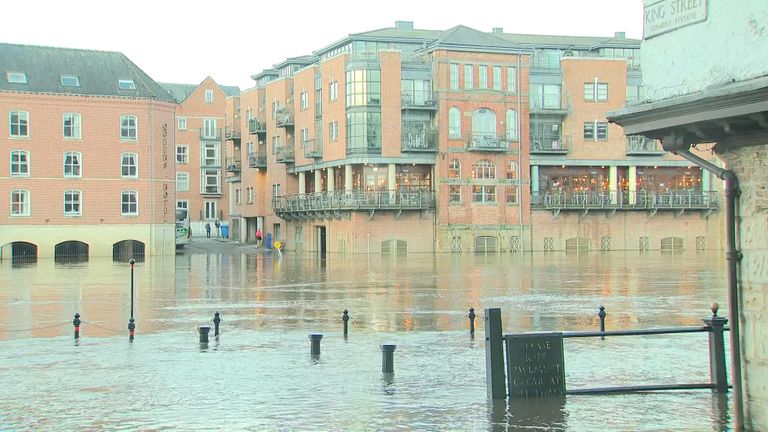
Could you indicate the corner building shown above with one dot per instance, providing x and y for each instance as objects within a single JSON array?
[
  {"x": 88, "y": 167},
  {"x": 406, "y": 140}
]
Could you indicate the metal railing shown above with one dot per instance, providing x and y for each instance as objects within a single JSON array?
[
  {"x": 546, "y": 144},
  {"x": 640, "y": 145},
  {"x": 487, "y": 142},
  {"x": 285, "y": 154},
  {"x": 354, "y": 200},
  {"x": 284, "y": 117},
  {"x": 418, "y": 140},
  {"x": 257, "y": 159},
  {"x": 255, "y": 126},
  {"x": 416, "y": 99},
  {"x": 313, "y": 148},
  {"x": 233, "y": 164},
  {"x": 231, "y": 132},
  {"x": 210, "y": 135},
  {"x": 550, "y": 103},
  {"x": 672, "y": 200}
]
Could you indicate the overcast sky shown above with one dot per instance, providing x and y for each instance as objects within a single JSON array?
[{"x": 185, "y": 41}]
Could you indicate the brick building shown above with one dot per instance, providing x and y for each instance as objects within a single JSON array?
[
  {"x": 401, "y": 139},
  {"x": 88, "y": 166}
]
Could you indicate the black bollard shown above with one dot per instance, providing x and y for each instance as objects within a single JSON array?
[
  {"x": 345, "y": 319},
  {"x": 388, "y": 358},
  {"x": 76, "y": 323},
  {"x": 471, "y": 317},
  {"x": 131, "y": 329},
  {"x": 315, "y": 338},
  {"x": 216, "y": 322},
  {"x": 717, "y": 371},
  {"x": 203, "y": 330},
  {"x": 602, "y": 314}
]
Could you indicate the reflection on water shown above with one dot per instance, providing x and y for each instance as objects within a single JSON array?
[{"x": 260, "y": 375}]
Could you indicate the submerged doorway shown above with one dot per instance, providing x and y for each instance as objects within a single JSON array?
[{"x": 321, "y": 241}]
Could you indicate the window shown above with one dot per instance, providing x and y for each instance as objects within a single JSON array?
[
  {"x": 129, "y": 203},
  {"x": 363, "y": 87},
  {"x": 510, "y": 191},
  {"x": 208, "y": 96},
  {"x": 70, "y": 81},
  {"x": 333, "y": 90},
  {"x": 72, "y": 167},
  {"x": 128, "y": 127},
  {"x": 597, "y": 131},
  {"x": 210, "y": 210},
  {"x": 20, "y": 203},
  {"x": 182, "y": 123},
  {"x": 634, "y": 94},
  {"x": 468, "y": 78},
  {"x": 276, "y": 190},
  {"x": 209, "y": 129},
  {"x": 595, "y": 91},
  {"x": 19, "y": 163},
  {"x": 210, "y": 154},
  {"x": 72, "y": 126},
  {"x": 129, "y": 165},
  {"x": 182, "y": 182},
  {"x": 304, "y": 101},
  {"x": 182, "y": 154},
  {"x": 454, "y": 169},
  {"x": 484, "y": 128},
  {"x": 454, "y": 123},
  {"x": 19, "y": 121},
  {"x": 238, "y": 198},
  {"x": 333, "y": 131},
  {"x": 483, "y": 72},
  {"x": 497, "y": 78},
  {"x": 363, "y": 132},
  {"x": 16, "y": 77},
  {"x": 126, "y": 84},
  {"x": 182, "y": 204},
  {"x": 512, "y": 125},
  {"x": 511, "y": 79},
  {"x": 484, "y": 170},
  {"x": 484, "y": 193},
  {"x": 209, "y": 181},
  {"x": 250, "y": 195},
  {"x": 304, "y": 136},
  {"x": 454, "y": 194},
  {"x": 72, "y": 203},
  {"x": 546, "y": 96},
  {"x": 454, "y": 76}
]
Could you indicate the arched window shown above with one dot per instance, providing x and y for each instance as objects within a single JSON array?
[
  {"x": 484, "y": 170},
  {"x": 454, "y": 123},
  {"x": 483, "y": 123},
  {"x": 454, "y": 169},
  {"x": 511, "y": 170},
  {"x": 484, "y": 192},
  {"x": 512, "y": 125}
]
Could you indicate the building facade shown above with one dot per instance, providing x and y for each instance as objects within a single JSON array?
[
  {"x": 403, "y": 139},
  {"x": 88, "y": 168}
]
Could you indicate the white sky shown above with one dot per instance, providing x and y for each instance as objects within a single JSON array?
[{"x": 185, "y": 41}]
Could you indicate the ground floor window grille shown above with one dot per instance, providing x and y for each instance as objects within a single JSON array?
[
  {"x": 514, "y": 244},
  {"x": 456, "y": 244},
  {"x": 605, "y": 243},
  {"x": 701, "y": 243},
  {"x": 549, "y": 244}
]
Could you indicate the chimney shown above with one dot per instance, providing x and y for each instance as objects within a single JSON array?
[
  {"x": 498, "y": 30},
  {"x": 619, "y": 35},
  {"x": 404, "y": 25}
]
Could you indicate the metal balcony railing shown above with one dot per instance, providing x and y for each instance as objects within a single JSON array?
[
  {"x": 256, "y": 127},
  {"x": 418, "y": 100},
  {"x": 285, "y": 154},
  {"x": 486, "y": 142},
  {"x": 550, "y": 104},
  {"x": 546, "y": 144},
  {"x": 642, "y": 200},
  {"x": 232, "y": 132},
  {"x": 257, "y": 159},
  {"x": 640, "y": 145},
  {"x": 284, "y": 117},
  {"x": 233, "y": 164},
  {"x": 418, "y": 140},
  {"x": 304, "y": 204},
  {"x": 210, "y": 134},
  {"x": 313, "y": 148}
]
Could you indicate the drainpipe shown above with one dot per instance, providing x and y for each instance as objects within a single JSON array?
[{"x": 733, "y": 257}]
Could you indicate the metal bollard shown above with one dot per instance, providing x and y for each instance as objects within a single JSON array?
[
  {"x": 717, "y": 371},
  {"x": 315, "y": 338},
  {"x": 345, "y": 319},
  {"x": 216, "y": 322},
  {"x": 76, "y": 323},
  {"x": 471, "y": 321},
  {"x": 388, "y": 358},
  {"x": 602, "y": 314},
  {"x": 203, "y": 330},
  {"x": 131, "y": 329}
]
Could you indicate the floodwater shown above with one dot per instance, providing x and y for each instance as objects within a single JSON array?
[{"x": 259, "y": 375}]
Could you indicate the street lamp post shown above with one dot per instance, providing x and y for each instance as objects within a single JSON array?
[{"x": 131, "y": 321}]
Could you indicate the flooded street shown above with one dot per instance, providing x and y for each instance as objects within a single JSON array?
[{"x": 259, "y": 374}]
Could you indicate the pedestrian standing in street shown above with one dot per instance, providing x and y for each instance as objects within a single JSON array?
[
  {"x": 218, "y": 228},
  {"x": 208, "y": 229},
  {"x": 258, "y": 237}
]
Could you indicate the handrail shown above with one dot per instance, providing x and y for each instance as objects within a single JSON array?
[
  {"x": 354, "y": 200},
  {"x": 626, "y": 200},
  {"x": 639, "y": 332}
]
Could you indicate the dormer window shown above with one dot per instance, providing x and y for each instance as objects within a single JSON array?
[
  {"x": 16, "y": 77},
  {"x": 126, "y": 85},
  {"x": 70, "y": 81}
]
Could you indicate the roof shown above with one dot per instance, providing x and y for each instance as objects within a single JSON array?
[
  {"x": 465, "y": 37},
  {"x": 98, "y": 72},
  {"x": 180, "y": 92},
  {"x": 528, "y": 40}
]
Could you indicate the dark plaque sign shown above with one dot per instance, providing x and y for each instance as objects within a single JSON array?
[{"x": 535, "y": 365}]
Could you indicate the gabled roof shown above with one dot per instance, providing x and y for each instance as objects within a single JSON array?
[
  {"x": 98, "y": 72},
  {"x": 180, "y": 92},
  {"x": 300, "y": 60},
  {"x": 469, "y": 37},
  {"x": 396, "y": 33}
]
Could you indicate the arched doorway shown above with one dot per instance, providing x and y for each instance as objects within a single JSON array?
[
  {"x": 71, "y": 251},
  {"x": 126, "y": 249}
]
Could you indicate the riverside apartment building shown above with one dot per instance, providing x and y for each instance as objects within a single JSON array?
[
  {"x": 88, "y": 142},
  {"x": 458, "y": 140}
]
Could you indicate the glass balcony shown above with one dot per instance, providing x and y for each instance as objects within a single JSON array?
[
  {"x": 550, "y": 104},
  {"x": 638, "y": 145},
  {"x": 547, "y": 144}
]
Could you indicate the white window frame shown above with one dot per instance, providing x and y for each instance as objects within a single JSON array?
[
  {"x": 22, "y": 164},
  {"x": 128, "y": 131},
  {"x": 210, "y": 210},
  {"x": 182, "y": 204},
  {"x": 206, "y": 187},
  {"x": 182, "y": 181},
  {"x": 497, "y": 78},
  {"x": 453, "y": 76},
  {"x": 304, "y": 101},
  {"x": 181, "y": 123},
  {"x": 74, "y": 199},
  {"x": 333, "y": 91},
  {"x": 595, "y": 91},
  {"x": 209, "y": 128},
  {"x": 208, "y": 96},
  {"x": 512, "y": 131},
  {"x": 76, "y": 164},
  {"x": 69, "y": 80},
  {"x": 511, "y": 79},
  {"x": 469, "y": 78},
  {"x": 22, "y": 122},
  {"x": 238, "y": 197},
  {"x": 454, "y": 169},
  {"x": 454, "y": 123},
  {"x": 250, "y": 195},
  {"x": 333, "y": 131},
  {"x": 129, "y": 203},
  {"x": 132, "y": 157},
  {"x": 23, "y": 205},
  {"x": 184, "y": 154},
  {"x": 75, "y": 126},
  {"x": 16, "y": 78},
  {"x": 482, "y": 71},
  {"x": 454, "y": 194},
  {"x": 126, "y": 84},
  {"x": 210, "y": 154}
]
